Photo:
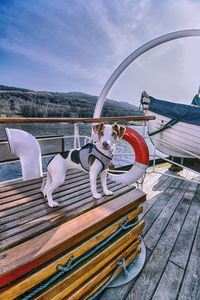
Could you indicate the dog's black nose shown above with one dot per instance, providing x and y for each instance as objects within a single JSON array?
[{"x": 105, "y": 144}]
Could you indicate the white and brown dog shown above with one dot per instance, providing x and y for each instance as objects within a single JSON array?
[{"x": 93, "y": 158}]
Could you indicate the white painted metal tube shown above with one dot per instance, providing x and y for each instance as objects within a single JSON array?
[
  {"x": 27, "y": 148},
  {"x": 138, "y": 52},
  {"x": 131, "y": 176}
]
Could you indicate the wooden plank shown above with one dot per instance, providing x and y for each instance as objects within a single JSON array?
[
  {"x": 182, "y": 248},
  {"x": 153, "y": 187},
  {"x": 175, "y": 196},
  {"x": 101, "y": 284},
  {"x": 96, "y": 262},
  {"x": 120, "y": 292},
  {"x": 127, "y": 263},
  {"x": 68, "y": 203},
  {"x": 32, "y": 202},
  {"x": 31, "y": 227},
  {"x": 153, "y": 270},
  {"x": 169, "y": 284},
  {"x": 159, "y": 203},
  {"x": 16, "y": 193},
  {"x": 76, "y": 120},
  {"x": 156, "y": 194},
  {"x": 150, "y": 181},
  {"x": 35, "y": 197},
  {"x": 12, "y": 186},
  {"x": 49, "y": 244},
  {"x": 23, "y": 206},
  {"x": 89, "y": 287},
  {"x": 49, "y": 270},
  {"x": 191, "y": 282}
]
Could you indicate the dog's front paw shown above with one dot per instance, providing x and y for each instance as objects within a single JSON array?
[
  {"x": 97, "y": 196},
  {"x": 108, "y": 193},
  {"x": 53, "y": 204}
]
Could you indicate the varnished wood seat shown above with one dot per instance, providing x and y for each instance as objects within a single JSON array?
[{"x": 35, "y": 239}]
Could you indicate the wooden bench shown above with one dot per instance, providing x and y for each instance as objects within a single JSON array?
[{"x": 36, "y": 241}]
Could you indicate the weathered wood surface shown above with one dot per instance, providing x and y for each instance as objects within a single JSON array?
[
  {"x": 97, "y": 261},
  {"x": 50, "y": 269},
  {"x": 172, "y": 233},
  {"x": 34, "y": 215},
  {"x": 93, "y": 281},
  {"x": 172, "y": 238},
  {"x": 30, "y": 228}
]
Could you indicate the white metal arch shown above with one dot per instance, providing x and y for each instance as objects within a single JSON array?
[{"x": 139, "y": 51}]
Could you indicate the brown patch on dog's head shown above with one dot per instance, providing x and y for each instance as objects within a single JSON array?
[
  {"x": 119, "y": 129},
  {"x": 99, "y": 128}
]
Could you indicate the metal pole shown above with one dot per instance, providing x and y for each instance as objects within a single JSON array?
[{"x": 138, "y": 52}]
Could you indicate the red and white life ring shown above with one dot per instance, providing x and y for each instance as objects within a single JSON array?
[{"x": 141, "y": 158}]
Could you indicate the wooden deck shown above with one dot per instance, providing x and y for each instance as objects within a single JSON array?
[
  {"x": 36, "y": 239},
  {"x": 172, "y": 239},
  {"x": 24, "y": 212},
  {"x": 171, "y": 235}
]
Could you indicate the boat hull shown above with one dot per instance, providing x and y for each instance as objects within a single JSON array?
[{"x": 178, "y": 139}]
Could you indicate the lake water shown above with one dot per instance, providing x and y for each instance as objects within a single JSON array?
[{"x": 13, "y": 170}]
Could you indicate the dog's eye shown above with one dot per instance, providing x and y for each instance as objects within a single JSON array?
[
  {"x": 114, "y": 133},
  {"x": 101, "y": 132}
]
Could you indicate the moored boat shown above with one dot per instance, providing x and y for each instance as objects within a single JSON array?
[{"x": 176, "y": 129}]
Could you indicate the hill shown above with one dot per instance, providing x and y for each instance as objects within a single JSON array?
[{"x": 29, "y": 103}]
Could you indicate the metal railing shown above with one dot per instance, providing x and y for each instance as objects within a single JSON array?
[
  {"x": 58, "y": 142},
  {"x": 156, "y": 154}
]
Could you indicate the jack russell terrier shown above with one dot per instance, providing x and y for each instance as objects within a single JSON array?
[{"x": 93, "y": 158}]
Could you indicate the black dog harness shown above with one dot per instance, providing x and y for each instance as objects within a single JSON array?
[{"x": 83, "y": 156}]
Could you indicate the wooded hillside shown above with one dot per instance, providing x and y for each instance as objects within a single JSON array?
[{"x": 27, "y": 103}]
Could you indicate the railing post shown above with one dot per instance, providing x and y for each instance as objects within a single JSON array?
[{"x": 76, "y": 136}]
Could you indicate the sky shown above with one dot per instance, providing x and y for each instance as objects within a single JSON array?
[{"x": 75, "y": 45}]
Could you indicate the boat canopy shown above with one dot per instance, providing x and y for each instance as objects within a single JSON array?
[{"x": 176, "y": 111}]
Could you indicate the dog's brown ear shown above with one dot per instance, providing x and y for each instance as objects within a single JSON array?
[
  {"x": 98, "y": 127},
  {"x": 120, "y": 129}
]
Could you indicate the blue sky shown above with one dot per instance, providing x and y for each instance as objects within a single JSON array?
[{"x": 75, "y": 45}]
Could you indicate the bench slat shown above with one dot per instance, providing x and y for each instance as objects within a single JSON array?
[
  {"x": 92, "y": 285},
  {"x": 27, "y": 256},
  {"x": 96, "y": 262},
  {"x": 43, "y": 212},
  {"x": 10, "y": 186},
  {"x": 31, "y": 226},
  {"x": 49, "y": 270},
  {"x": 32, "y": 188},
  {"x": 26, "y": 203}
]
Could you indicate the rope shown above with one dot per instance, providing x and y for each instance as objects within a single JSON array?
[
  {"x": 168, "y": 125},
  {"x": 70, "y": 264},
  {"x": 120, "y": 264}
]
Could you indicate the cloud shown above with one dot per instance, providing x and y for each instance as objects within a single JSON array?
[{"x": 82, "y": 42}]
